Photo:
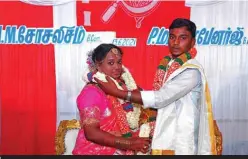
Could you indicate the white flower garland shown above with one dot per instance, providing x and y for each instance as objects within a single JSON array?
[{"x": 132, "y": 116}]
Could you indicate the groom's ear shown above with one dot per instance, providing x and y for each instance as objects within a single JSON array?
[{"x": 193, "y": 42}]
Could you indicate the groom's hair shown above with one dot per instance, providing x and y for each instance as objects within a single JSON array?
[{"x": 182, "y": 22}]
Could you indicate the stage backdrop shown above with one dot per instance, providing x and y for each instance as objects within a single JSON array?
[
  {"x": 27, "y": 85},
  {"x": 39, "y": 83},
  {"x": 226, "y": 69}
]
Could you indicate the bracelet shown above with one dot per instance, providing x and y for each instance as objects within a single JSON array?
[
  {"x": 122, "y": 143},
  {"x": 129, "y": 95}
]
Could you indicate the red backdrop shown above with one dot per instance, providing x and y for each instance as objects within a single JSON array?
[
  {"x": 27, "y": 72},
  {"x": 142, "y": 60},
  {"x": 27, "y": 85}
]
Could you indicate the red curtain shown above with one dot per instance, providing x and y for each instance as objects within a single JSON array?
[
  {"x": 143, "y": 59},
  {"x": 27, "y": 85}
]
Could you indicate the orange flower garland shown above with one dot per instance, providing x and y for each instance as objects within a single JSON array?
[{"x": 162, "y": 68}]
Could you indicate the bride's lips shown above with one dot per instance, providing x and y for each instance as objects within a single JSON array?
[{"x": 117, "y": 73}]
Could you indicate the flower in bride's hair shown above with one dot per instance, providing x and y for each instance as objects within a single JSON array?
[
  {"x": 90, "y": 76},
  {"x": 90, "y": 62}
]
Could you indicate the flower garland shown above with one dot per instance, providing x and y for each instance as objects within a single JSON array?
[
  {"x": 128, "y": 114},
  {"x": 131, "y": 113},
  {"x": 163, "y": 67}
]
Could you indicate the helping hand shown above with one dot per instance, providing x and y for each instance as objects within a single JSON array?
[{"x": 108, "y": 87}]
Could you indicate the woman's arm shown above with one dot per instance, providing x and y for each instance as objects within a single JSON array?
[
  {"x": 90, "y": 104},
  {"x": 94, "y": 134}
]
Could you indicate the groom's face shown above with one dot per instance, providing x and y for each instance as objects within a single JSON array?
[{"x": 180, "y": 41}]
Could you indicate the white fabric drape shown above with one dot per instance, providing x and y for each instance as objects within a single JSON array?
[
  {"x": 65, "y": 61},
  {"x": 47, "y": 2},
  {"x": 191, "y": 3},
  {"x": 226, "y": 69},
  {"x": 70, "y": 62}
]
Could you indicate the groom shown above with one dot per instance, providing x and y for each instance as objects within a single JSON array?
[{"x": 184, "y": 124}]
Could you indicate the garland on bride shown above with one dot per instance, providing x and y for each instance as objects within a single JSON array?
[
  {"x": 131, "y": 116},
  {"x": 133, "y": 111}
]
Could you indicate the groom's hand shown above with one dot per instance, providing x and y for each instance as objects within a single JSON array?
[{"x": 108, "y": 87}]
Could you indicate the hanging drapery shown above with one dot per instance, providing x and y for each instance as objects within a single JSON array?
[
  {"x": 27, "y": 85},
  {"x": 47, "y": 2},
  {"x": 226, "y": 70}
]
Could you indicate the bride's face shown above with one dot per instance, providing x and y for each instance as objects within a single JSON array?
[{"x": 111, "y": 65}]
